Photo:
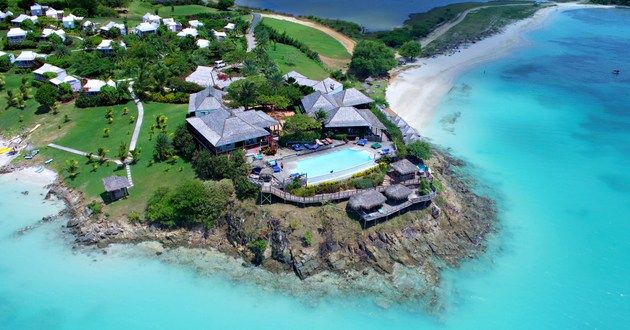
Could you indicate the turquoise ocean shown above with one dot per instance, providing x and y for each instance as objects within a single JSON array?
[{"x": 546, "y": 131}]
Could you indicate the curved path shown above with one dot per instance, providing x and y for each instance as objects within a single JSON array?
[
  {"x": 442, "y": 29},
  {"x": 136, "y": 131},
  {"x": 345, "y": 41}
]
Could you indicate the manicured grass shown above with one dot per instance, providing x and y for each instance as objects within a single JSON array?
[
  {"x": 289, "y": 58},
  {"x": 316, "y": 40},
  {"x": 12, "y": 120},
  {"x": 85, "y": 129},
  {"x": 146, "y": 176},
  {"x": 138, "y": 8}
]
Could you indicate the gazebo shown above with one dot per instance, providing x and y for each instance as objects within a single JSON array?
[
  {"x": 403, "y": 170},
  {"x": 398, "y": 193},
  {"x": 116, "y": 187}
]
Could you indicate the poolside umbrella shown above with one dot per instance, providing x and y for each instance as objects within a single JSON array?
[
  {"x": 366, "y": 200},
  {"x": 266, "y": 174},
  {"x": 398, "y": 192}
]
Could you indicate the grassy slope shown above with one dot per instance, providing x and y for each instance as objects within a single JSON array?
[
  {"x": 289, "y": 58},
  {"x": 318, "y": 41},
  {"x": 479, "y": 24},
  {"x": 10, "y": 118},
  {"x": 138, "y": 8}
]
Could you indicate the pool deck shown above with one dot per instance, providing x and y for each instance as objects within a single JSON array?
[{"x": 288, "y": 158}]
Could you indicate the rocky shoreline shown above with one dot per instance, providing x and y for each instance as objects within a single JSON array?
[{"x": 423, "y": 241}]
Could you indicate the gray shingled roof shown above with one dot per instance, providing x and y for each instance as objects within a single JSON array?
[
  {"x": 327, "y": 85},
  {"x": 404, "y": 167},
  {"x": 346, "y": 117},
  {"x": 318, "y": 100},
  {"x": 222, "y": 127},
  {"x": 351, "y": 97},
  {"x": 208, "y": 99},
  {"x": 113, "y": 183},
  {"x": 366, "y": 200}
]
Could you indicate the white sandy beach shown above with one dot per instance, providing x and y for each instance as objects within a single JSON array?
[
  {"x": 416, "y": 92},
  {"x": 31, "y": 176}
]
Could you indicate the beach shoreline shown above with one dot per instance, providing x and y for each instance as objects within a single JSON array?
[{"x": 416, "y": 91}]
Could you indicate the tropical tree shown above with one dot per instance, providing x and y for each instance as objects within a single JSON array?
[
  {"x": 419, "y": 149},
  {"x": 46, "y": 96},
  {"x": 372, "y": 58},
  {"x": 122, "y": 152},
  {"x": 72, "y": 167},
  {"x": 410, "y": 49},
  {"x": 163, "y": 148},
  {"x": 243, "y": 93},
  {"x": 225, "y": 4},
  {"x": 106, "y": 132},
  {"x": 135, "y": 155},
  {"x": 321, "y": 115},
  {"x": 102, "y": 154}
]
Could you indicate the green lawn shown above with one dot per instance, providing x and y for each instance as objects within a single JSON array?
[
  {"x": 289, "y": 58},
  {"x": 85, "y": 129},
  {"x": 146, "y": 176},
  {"x": 137, "y": 8},
  {"x": 317, "y": 40},
  {"x": 12, "y": 120}
]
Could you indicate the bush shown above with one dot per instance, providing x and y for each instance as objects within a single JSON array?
[
  {"x": 308, "y": 238},
  {"x": 420, "y": 150},
  {"x": 5, "y": 63},
  {"x": 258, "y": 247},
  {"x": 95, "y": 207},
  {"x": 372, "y": 58}
]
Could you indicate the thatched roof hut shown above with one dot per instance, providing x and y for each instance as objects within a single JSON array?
[
  {"x": 404, "y": 167},
  {"x": 367, "y": 200},
  {"x": 266, "y": 174},
  {"x": 398, "y": 192}
]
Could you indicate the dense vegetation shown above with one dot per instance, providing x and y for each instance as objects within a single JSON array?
[
  {"x": 372, "y": 58},
  {"x": 350, "y": 29},
  {"x": 612, "y": 2}
]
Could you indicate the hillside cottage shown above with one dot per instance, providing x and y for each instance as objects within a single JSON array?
[
  {"x": 46, "y": 33},
  {"x": 195, "y": 24},
  {"x": 69, "y": 22},
  {"x": 219, "y": 35},
  {"x": 188, "y": 32},
  {"x": 146, "y": 28},
  {"x": 116, "y": 187},
  {"x": 54, "y": 14},
  {"x": 105, "y": 29},
  {"x": 17, "y": 22},
  {"x": 16, "y": 35},
  {"x": 151, "y": 19},
  {"x": 26, "y": 59},
  {"x": 94, "y": 86},
  {"x": 172, "y": 25},
  {"x": 38, "y": 10},
  {"x": 4, "y": 16}
]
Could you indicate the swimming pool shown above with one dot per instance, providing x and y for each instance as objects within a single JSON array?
[{"x": 334, "y": 165}]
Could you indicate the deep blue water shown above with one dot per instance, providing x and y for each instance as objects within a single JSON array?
[
  {"x": 546, "y": 130},
  {"x": 374, "y": 15}
]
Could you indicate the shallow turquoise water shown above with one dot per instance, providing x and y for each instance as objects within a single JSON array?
[
  {"x": 335, "y": 162},
  {"x": 547, "y": 130}
]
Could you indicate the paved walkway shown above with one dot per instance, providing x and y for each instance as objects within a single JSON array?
[
  {"x": 250, "y": 37},
  {"x": 136, "y": 131},
  {"x": 70, "y": 150}
]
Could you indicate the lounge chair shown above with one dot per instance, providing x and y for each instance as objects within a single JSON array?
[
  {"x": 276, "y": 168},
  {"x": 362, "y": 142},
  {"x": 297, "y": 147},
  {"x": 319, "y": 142},
  {"x": 312, "y": 146},
  {"x": 384, "y": 151},
  {"x": 329, "y": 141}
]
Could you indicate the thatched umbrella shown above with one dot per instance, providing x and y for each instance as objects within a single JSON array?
[
  {"x": 404, "y": 167},
  {"x": 398, "y": 193},
  {"x": 266, "y": 174},
  {"x": 366, "y": 200}
]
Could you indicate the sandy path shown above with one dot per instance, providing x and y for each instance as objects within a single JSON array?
[
  {"x": 345, "y": 41},
  {"x": 415, "y": 94}
]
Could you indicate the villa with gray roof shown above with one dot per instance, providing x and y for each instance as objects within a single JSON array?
[
  {"x": 326, "y": 86},
  {"x": 204, "y": 102},
  {"x": 345, "y": 111},
  {"x": 224, "y": 130}
]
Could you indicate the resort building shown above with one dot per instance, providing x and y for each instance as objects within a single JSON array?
[
  {"x": 146, "y": 28},
  {"x": 38, "y": 10},
  {"x": 46, "y": 33},
  {"x": 94, "y": 86},
  {"x": 107, "y": 46},
  {"x": 151, "y": 19},
  {"x": 403, "y": 170},
  {"x": 219, "y": 35},
  {"x": 203, "y": 43},
  {"x": 204, "y": 102},
  {"x": 69, "y": 22},
  {"x": 18, "y": 20},
  {"x": 229, "y": 27},
  {"x": 54, "y": 13},
  {"x": 326, "y": 86},
  {"x": 105, "y": 29},
  {"x": 16, "y": 35},
  {"x": 5, "y": 15},
  {"x": 188, "y": 32},
  {"x": 342, "y": 112},
  {"x": 195, "y": 24},
  {"x": 172, "y": 25},
  {"x": 26, "y": 59},
  {"x": 116, "y": 187},
  {"x": 206, "y": 76},
  {"x": 60, "y": 77},
  {"x": 89, "y": 27},
  {"x": 224, "y": 130}
]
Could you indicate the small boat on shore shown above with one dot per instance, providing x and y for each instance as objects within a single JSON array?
[{"x": 48, "y": 161}]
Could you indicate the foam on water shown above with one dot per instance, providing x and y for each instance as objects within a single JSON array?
[{"x": 546, "y": 128}]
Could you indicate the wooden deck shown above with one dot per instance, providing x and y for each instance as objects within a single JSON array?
[
  {"x": 388, "y": 210},
  {"x": 267, "y": 188}
]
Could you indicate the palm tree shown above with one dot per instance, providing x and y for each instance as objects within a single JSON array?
[
  {"x": 321, "y": 115},
  {"x": 123, "y": 152},
  {"x": 102, "y": 153},
  {"x": 72, "y": 166},
  {"x": 106, "y": 132}
]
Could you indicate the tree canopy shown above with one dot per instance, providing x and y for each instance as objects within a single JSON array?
[
  {"x": 410, "y": 49},
  {"x": 372, "y": 58}
]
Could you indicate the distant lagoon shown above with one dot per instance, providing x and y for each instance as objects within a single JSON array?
[{"x": 374, "y": 15}]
